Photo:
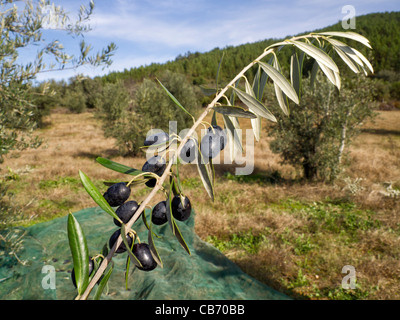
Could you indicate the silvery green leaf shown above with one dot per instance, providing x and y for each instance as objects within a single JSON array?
[
  {"x": 214, "y": 119},
  {"x": 280, "y": 96},
  {"x": 330, "y": 74},
  {"x": 128, "y": 248},
  {"x": 346, "y": 49},
  {"x": 259, "y": 83},
  {"x": 281, "y": 81},
  {"x": 204, "y": 174},
  {"x": 181, "y": 240},
  {"x": 256, "y": 126},
  {"x": 153, "y": 249},
  {"x": 295, "y": 73},
  {"x": 235, "y": 111},
  {"x": 314, "y": 72},
  {"x": 171, "y": 221},
  {"x": 254, "y": 105},
  {"x": 219, "y": 68},
  {"x": 364, "y": 59},
  {"x": 174, "y": 99},
  {"x": 348, "y": 35},
  {"x": 316, "y": 53},
  {"x": 346, "y": 59},
  {"x": 208, "y": 91},
  {"x": 235, "y": 144}
]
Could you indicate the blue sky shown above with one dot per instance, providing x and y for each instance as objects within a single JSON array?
[{"x": 147, "y": 31}]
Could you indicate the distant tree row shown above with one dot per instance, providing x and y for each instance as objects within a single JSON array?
[{"x": 382, "y": 29}]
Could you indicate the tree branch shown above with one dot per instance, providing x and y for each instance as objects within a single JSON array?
[{"x": 160, "y": 181}]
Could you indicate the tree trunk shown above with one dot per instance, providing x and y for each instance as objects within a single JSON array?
[{"x": 310, "y": 171}]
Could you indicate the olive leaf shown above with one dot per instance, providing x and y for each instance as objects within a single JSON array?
[
  {"x": 180, "y": 238},
  {"x": 127, "y": 266},
  {"x": 314, "y": 72},
  {"x": 170, "y": 218},
  {"x": 128, "y": 248},
  {"x": 235, "y": 111},
  {"x": 254, "y": 105},
  {"x": 330, "y": 74},
  {"x": 171, "y": 221},
  {"x": 318, "y": 54},
  {"x": 153, "y": 249},
  {"x": 203, "y": 172},
  {"x": 214, "y": 119},
  {"x": 259, "y": 83},
  {"x": 346, "y": 52},
  {"x": 97, "y": 196},
  {"x": 281, "y": 81},
  {"x": 174, "y": 99},
  {"x": 218, "y": 70},
  {"x": 144, "y": 219},
  {"x": 235, "y": 143},
  {"x": 103, "y": 282},
  {"x": 295, "y": 72},
  {"x": 346, "y": 59},
  {"x": 208, "y": 91},
  {"x": 349, "y": 35},
  {"x": 121, "y": 168},
  {"x": 280, "y": 96},
  {"x": 80, "y": 253},
  {"x": 364, "y": 59}
]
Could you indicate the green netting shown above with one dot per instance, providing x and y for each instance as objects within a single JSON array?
[{"x": 205, "y": 274}]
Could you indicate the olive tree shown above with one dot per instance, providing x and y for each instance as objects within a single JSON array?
[
  {"x": 22, "y": 28},
  {"x": 317, "y": 131},
  {"x": 128, "y": 116},
  {"x": 163, "y": 168}
]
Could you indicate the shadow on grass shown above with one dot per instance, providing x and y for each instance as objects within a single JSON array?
[
  {"x": 258, "y": 176},
  {"x": 382, "y": 132},
  {"x": 109, "y": 153}
]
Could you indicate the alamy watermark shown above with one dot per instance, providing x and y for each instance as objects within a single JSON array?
[
  {"x": 349, "y": 20},
  {"x": 235, "y": 151},
  {"x": 349, "y": 281},
  {"x": 49, "y": 280},
  {"x": 50, "y": 17}
]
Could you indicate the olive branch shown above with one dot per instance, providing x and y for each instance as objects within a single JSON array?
[{"x": 317, "y": 46}]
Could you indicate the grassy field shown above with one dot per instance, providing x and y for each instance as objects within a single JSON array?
[{"x": 293, "y": 236}]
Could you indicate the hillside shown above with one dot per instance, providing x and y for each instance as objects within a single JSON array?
[{"x": 382, "y": 29}]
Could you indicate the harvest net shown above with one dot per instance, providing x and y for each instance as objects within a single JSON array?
[{"x": 205, "y": 274}]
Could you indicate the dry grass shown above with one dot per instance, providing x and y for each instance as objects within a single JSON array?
[{"x": 293, "y": 236}]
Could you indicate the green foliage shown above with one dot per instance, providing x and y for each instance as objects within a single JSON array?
[
  {"x": 45, "y": 97},
  {"x": 336, "y": 216},
  {"x": 22, "y": 25},
  {"x": 382, "y": 29},
  {"x": 117, "y": 117},
  {"x": 313, "y": 137},
  {"x": 16, "y": 118},
  {"x": 128, "y": 118},
  {"x": 247, "y": 241}
]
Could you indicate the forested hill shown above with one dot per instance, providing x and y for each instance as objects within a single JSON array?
[{"x": 382, "y": 29}]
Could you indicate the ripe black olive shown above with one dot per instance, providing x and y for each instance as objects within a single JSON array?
[
  {"x": 159, "y": 213},
  {"x": 181, "y": 209},
  {"x": 126, "y": 211},
  {"x": 117, "y": 194},
  {"x": 156, "y": 165},
  {"x": 143, "y": 254},
  {"x": 114, "y": 238}
]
